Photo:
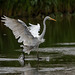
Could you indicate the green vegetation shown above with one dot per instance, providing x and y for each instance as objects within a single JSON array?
[{"x": 32, "y": 8}]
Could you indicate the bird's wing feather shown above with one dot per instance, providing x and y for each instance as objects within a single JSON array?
[
  {"x": 19, "y": 29},
  {"x": 34, "y": 29}
]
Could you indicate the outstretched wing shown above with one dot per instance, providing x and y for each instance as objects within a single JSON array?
[
  {"x": 19, "y": 29},
  {"x": 34, "y": 29}
]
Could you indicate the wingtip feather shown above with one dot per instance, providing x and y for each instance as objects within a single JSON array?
[
  {"x": 2, "y": 20},
  {"x": 4, "y": 17}
]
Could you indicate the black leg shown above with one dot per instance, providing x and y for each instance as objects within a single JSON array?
[
  {"x": 39, "y": 58},
  {"x": 37, "y": 55},
  {"x": 23, "y": 55}
]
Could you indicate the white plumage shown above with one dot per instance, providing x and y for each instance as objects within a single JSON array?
[
  {"x": 19, "y": 30},
  {"x": 23, "y": 33},
  {"x": 34, "y": 29},
  {"x": 29, "y": 35}
]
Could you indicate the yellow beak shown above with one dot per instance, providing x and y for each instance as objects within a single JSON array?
[{"x": 52, "y": 19}]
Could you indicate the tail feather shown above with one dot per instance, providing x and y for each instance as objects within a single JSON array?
[{"x": 26, "y": 49}]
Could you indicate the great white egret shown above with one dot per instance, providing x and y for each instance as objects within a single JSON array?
[{"x": 29, "y": 35}]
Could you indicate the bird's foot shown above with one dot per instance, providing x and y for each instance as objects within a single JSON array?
[{"x": 39, "y": 58}]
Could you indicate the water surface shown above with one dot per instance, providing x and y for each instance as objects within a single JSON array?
[{"x": 57, "y": 53}]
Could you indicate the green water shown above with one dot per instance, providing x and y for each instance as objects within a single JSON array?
[{"x": 58, "y": 50}]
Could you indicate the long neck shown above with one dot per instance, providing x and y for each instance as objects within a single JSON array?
[{"x": 44, "y": 29}]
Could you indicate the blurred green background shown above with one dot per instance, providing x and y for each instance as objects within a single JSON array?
[
  {"x": 35, "y": 8},
  {"x": 34, "y": 11}
]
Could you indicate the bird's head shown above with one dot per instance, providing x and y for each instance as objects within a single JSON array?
[{"x": 49, "y": 18}]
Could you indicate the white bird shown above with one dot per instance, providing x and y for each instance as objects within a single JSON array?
[{"x": 29, "y": 35}]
